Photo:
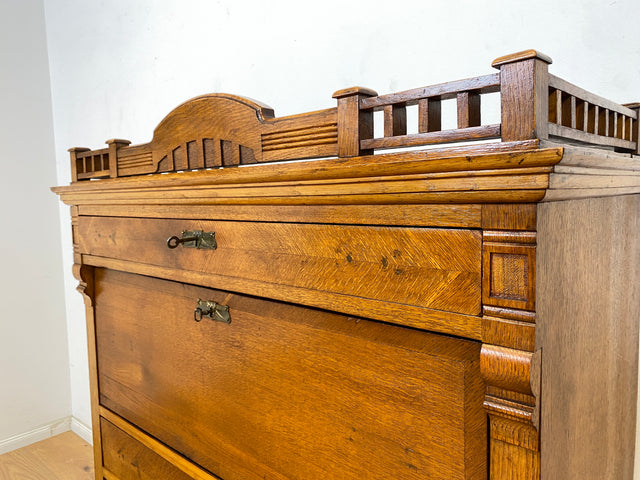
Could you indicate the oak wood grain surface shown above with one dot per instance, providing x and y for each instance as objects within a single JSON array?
[
  {"x": 63, "y": 457},
  {"x": 286, "y": 392},
  {"x": 455, "y": 216},
  {"x": 467, "y": 326},
  {"x": 587, "y": 316},
  {"x": 422, "y": 267},
  {"x": 127, "y": 459}
]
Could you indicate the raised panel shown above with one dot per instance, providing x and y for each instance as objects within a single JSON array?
[{"x": 509, "y": 279}]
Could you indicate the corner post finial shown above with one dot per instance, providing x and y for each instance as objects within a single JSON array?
[
  {"x": 76, "y": 162},
  {"x": 114, "y": 145},
  {"x": 524, "y": 95},
  {"x": 353, "y": 124}
]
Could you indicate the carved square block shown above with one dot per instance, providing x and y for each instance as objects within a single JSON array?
[{"x": 508, "y": 275}]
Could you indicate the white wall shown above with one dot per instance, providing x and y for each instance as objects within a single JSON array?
[
  {"x": 117, "y": 66},
  {"x": 34, "y": 373}
]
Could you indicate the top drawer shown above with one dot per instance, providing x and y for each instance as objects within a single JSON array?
[{"x": 438, "y": 269}]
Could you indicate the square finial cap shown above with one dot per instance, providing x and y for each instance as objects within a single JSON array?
[
  {"x": 349, "y": 92},
  {"x": 520, "y": 56}
]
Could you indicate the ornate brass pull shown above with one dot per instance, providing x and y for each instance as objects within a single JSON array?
[
  {"x": 211, "y": 310},
  {"x": 194, "y": 239}
]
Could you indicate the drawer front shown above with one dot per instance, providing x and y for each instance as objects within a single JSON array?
[
  {"x": 124, "y": 458},
  {"x": 286, "y": 392},
  {"x": 439, "y": 269}
]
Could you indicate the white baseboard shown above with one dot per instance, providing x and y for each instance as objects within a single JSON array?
[
  {"x": 43, "y": 432},
  {"x": 82, "y": 430}
]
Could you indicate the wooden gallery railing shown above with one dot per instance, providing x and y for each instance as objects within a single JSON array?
[{"x": 225, "y": 130}]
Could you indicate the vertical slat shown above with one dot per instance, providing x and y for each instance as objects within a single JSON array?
[
  {"x": 524, "y": 95},
  {"x": 573, "y": 112},
  {"x": 468, "y": 109},
  {"x": 581, "y": 115},
  {"x": 620, "y": 124},
  {"x": 395, "y": 120},
  {"x": 227, "y": 154},
  {"x": 553, "y": 107},
  {"x": 195, "y": 155},
  {"x": 559, "y": 107},
  {"x": 353, "y": 124},
  {"x": 211, "y": 152},
  {"x": 217, "y": 152},
  {"x": 429, "y": 115},
  {"x": 178, "y": 159},
  {"x": 236, "y": 153},
  {"x": 613, "y": 124},
  {"x": 606, "y": 122},
  {"x": 601, "y": 121},
  {"x": 567, "y": 110},
  {"x": 591, "y": 119}
]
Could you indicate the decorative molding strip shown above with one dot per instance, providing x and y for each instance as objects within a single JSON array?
[
  {"x": 42, "y": 432},
  {"x": 322, "y": 134},
  {"x": 508, "y": 333},
  {"x": 509, "y": 314},
  {"x": 82, "y": 430}
]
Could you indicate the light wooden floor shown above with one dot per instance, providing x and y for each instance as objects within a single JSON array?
[{"x": 63, "y": 457}]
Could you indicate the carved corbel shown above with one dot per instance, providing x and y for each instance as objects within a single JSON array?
[{"x": 84, "y": 275}]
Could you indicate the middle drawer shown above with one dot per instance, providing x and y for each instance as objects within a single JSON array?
[{"x": 435, "y": 268}]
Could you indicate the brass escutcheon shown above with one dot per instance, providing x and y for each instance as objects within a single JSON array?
[
  {"x": 194, "y": 239},
  {"x": 211, "y": 310}
]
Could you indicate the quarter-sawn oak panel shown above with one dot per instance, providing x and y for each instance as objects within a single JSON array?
[{"x": 413, "y": 266}]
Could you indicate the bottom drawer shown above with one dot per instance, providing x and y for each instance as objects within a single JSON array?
[
  {"x": 286, "y": 392},
  {"x": 124, "y": 458}
]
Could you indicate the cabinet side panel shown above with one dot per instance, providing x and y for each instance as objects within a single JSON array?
[{"x": 588, "y": 309}]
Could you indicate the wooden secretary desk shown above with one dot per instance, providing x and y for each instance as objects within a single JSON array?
[{"x": 467, "y": 311}]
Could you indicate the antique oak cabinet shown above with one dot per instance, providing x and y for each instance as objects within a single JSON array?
[{"x": 466, "y": 308}]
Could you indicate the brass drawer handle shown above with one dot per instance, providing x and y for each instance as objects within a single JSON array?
[
  {"x": 194, "y": 239},
  {"x": 211, "y": 310}
]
